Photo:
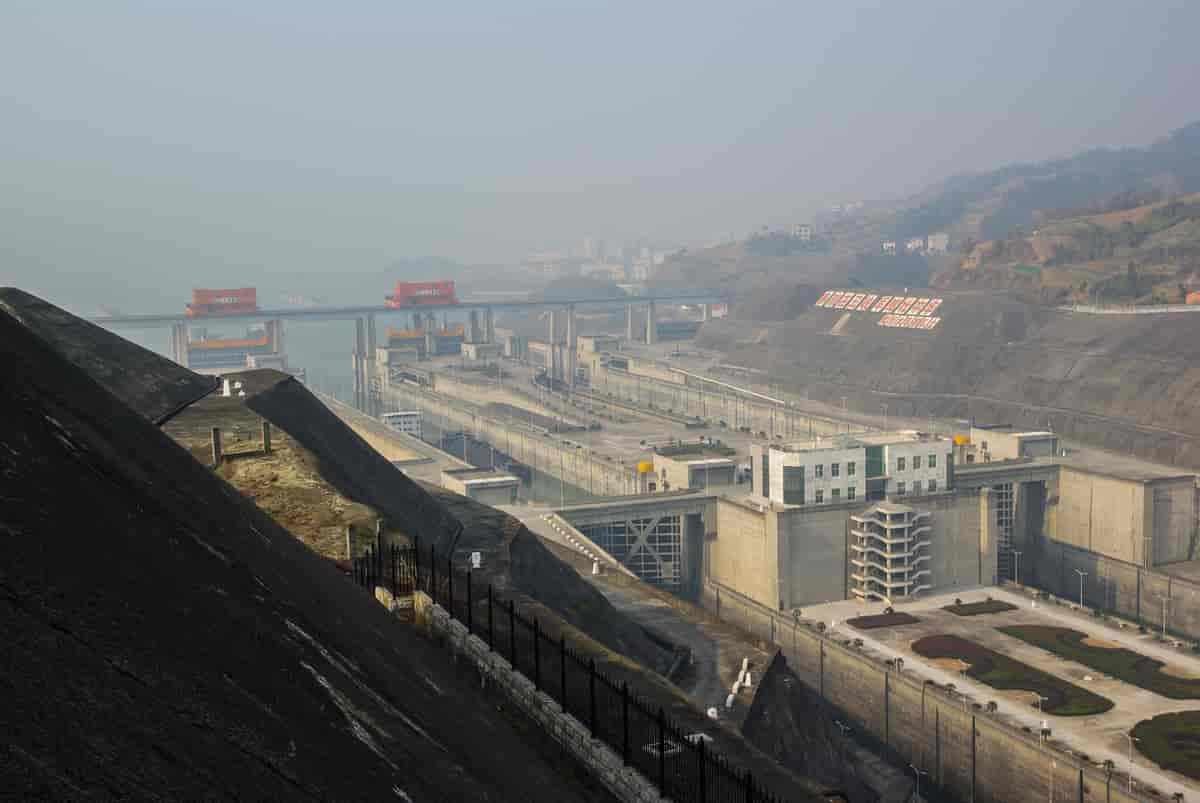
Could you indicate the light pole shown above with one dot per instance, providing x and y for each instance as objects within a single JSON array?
[
  {"x": 1083, "y": 574},
  {"x": 1165, "y": 601},
  {"x": 917, "y": 773},
  {"x": 1017, "y": 567},
  {"x": 1131, "y": 739}
]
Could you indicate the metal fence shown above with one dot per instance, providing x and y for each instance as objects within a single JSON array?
[{"x": 680, "y": 764}]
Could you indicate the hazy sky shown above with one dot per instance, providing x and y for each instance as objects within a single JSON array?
[{"x": 268, "y": 137}]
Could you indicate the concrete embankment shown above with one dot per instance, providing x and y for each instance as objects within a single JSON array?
[{"x": 967, "y": 753}]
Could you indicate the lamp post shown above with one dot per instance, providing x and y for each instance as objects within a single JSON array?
[
  {"x": 1082, "y": 574},
  {"x": 1165, "y": 601},
  {"x": 917, "y": 773},
  {"x": 1131, "y": 739},
  {"x": 1017, "y": 567}
]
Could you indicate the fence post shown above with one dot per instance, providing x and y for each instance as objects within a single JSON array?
[
  {"x": 491, "y": 628},
  {"x": 749, "y": 787},
  {"x": 512, "y": 634},
  {"x": 592, "y": 695},
  {"x": 562, "y": 670},
  {"x": 662, "y": 752},
  {"x": 625, "y": 722},
  {"x": 470, "y": 613},
  {"x": 395, "y": 567},
  {"x": 702, "y": 786},
  {"x": 537, "y": 655}
]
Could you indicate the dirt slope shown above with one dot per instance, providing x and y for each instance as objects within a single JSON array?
[
  {"x": 1124, "y": 382},
  {"x": 167, "y": 640},
  {"x": 147, "y": 382}
]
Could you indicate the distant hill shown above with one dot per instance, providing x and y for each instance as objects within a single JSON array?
[
  {"x": 990, "y": 205},
  {"x": 986, "y": 216},
  {"x": 1148, "y": 253}
]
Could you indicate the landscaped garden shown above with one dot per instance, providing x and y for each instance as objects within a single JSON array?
[
  {"x": 976, "y": 608},
  {"x": 1111, "y": 659},
  {"x": 882, "y": 620},
  {"x": 1172, "y": 741},
  {"x": 1001, "y": 672}
]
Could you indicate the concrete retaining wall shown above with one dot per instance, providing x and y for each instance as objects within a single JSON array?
[
  {"x": 625, "y": 783},
  {"x": 1119, "y": 588},
  {"x": 550, "y": 455},
  {"x": 972, "y": 755}
]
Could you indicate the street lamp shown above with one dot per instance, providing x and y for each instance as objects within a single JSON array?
[
  {"x": 917, "y": 773},
  {"x": 1017, "y": 567},
  {"x": 1082, "y": 574},
  {"x": 1131, "y": 739}
]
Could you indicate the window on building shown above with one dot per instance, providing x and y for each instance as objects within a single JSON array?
[
  {"x": 916, "y": 462},
  {"x": 836, "y": 494},
  {"x": 835, "y": 469},
  {"x": 820, "y": 496},
  {"x": 850, "y": 491},
  {"x": 932, "y": 462},
  {"x": 932, "y": 486},
  {"x": 793, "y": 485},
  {"x": 900, "y": 488},
  {"x": 766, "y": 476},
  {"x": 819, "y": 471},
  {"x": 916, "y": 486},
  {"x": 900, "y": 463},
  {"x": 850, "y": 469}
]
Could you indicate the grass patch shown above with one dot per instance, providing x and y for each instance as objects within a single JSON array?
[
  {"x": 1001, "y": 672},
  {"x": 1126, "y": 665},
  {"x": 976, "y": 608},
  {"x": 882, "y": 620},
  {"x": 1172, "y": 741}
]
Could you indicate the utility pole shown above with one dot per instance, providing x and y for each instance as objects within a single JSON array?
[{"x": 1083, "y": 574}]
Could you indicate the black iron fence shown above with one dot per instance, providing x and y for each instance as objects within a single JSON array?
[{"x": 679, "y": 763}]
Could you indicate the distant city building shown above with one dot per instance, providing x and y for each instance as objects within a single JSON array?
[
  {"x": 803, "y": 232},
  {"x": 889, "y": 247},
  {"x": 603, "y": 270},
  {"x": 938, "y": 243},
  {"x": 915, "y": 245},
  {"x": 593, "y": 249}
]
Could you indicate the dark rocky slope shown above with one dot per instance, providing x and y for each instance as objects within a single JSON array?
[
  {"x": 153, "y": 386},
  {"x": 164, "y": 639}
]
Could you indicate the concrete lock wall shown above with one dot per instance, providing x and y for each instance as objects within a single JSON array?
[
  {"x": 685, "y": 398},
  {"x": 1116, "y": 587},
  {"x": 785, "y": 557},
  {"x": 1116, "y": 517},
  {"x": 548, "y": 454},
  {"x": 973, "y": 755},
  {"x": 744, "y": 554}
]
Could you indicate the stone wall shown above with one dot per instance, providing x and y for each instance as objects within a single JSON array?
[
  {"x": 970, "y": 754},
  {"x": 625, "y": 783}
]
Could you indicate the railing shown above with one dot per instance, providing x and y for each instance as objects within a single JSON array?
[{"x": 680, "y": 764}]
